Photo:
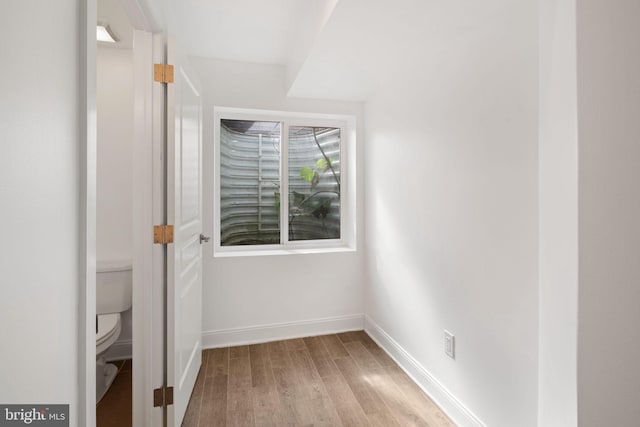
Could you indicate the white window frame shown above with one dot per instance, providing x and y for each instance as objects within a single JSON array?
[{"x": 347, "y": 125}]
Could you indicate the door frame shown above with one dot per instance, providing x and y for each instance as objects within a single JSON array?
[
  {"x": 147, "y": 258},
  {"x": 148, "y": 134},
  {"x": 87, "y": 150},
  {"x": 148, "y": 209}
]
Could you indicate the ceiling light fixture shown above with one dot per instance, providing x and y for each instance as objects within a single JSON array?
[{"x": 106, "y": 34}]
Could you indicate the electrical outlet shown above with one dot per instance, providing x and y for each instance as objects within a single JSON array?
[{"x": 449, "y": 344}]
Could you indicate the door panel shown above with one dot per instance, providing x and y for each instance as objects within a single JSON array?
[{"x": 184, "y": 261}]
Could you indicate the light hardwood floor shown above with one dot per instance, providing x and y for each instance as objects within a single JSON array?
[{"x": 331, "y": 380}]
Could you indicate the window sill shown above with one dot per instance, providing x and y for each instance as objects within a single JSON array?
[{"x": 281, "y": 251}]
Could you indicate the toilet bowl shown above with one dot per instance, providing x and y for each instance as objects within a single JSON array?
[
  {"x": 113, "y": 296},
  {"x": 109, "y": 328}
]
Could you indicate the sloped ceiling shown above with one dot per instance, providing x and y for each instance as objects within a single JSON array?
[
  {"x": 259, "y": 31},
  {"x": 369, "y": 44},
  {"x": 336, "y": 49}
]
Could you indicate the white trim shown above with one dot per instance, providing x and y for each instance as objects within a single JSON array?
[
  {"x": 156, "y": 292},
  {"x": 172, "y": 188},
  {"x": 455, "y": 409},
  {"x": 321, "y": 249},
  {"x": 120, "y": 350},
  {"x": 276, "y": 115},
  {"x": 280, "y": 331},
  {"x": 284, "y": 188},
  {"x": 87, "y": 149},
  {"x": 140, "y": 346}
]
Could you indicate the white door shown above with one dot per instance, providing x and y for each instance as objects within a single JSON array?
[{"x": 184, "y": 257}]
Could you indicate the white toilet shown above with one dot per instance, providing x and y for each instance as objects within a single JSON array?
[{"x": 113, "y": 296}]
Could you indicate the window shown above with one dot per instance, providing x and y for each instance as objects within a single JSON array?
[{"x": 282, "y": 182}]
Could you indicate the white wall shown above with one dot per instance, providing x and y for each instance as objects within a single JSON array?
[
  {"x": 115, "y": 142},
  {"x": 114, "y": 217},
  {"x": 558, "y": 222},
  {"x": 245, "y": 292},
  {"x": 608, "y": 39},
  {"x": 451, "y": 211},
  {"x": 40, "y": 198}
]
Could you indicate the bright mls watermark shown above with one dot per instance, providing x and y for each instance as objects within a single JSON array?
[{"x": 34, "y": 415}]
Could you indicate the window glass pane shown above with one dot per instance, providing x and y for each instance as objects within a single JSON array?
[
  {"x": 249, "y": 182},
  {"x": 314, "y": 183}
]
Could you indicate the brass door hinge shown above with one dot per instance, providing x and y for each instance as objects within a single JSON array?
[
  {"x": 162, "y": 234},
  {"x": 163, "y": 73},
  {"x": 162, "y": 396}
]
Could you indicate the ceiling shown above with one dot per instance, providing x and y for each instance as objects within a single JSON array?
[
  {"x": 368, "y": 45},
  {"x": 261, "y": 31},
  {"x": 345, "y": 49},
  {"x": 111, "y": 12}
]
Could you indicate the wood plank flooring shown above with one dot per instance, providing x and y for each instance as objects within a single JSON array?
[
  {"x": 331, "y": 380},
  {"x": 115, "y": 408}
]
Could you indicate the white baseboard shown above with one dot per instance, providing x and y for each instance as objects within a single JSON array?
[
  {"x": 281, "y": 331},
  {"x": 120, "y": 350},
  {"x": 458, "y": 413}
]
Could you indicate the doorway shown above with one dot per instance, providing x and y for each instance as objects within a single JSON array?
[
  {"x": 124, "y": 168},
  {"x": 114, "y": 215}
]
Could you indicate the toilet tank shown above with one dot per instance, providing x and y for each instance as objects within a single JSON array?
[{"x": 113, "y": 287}]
